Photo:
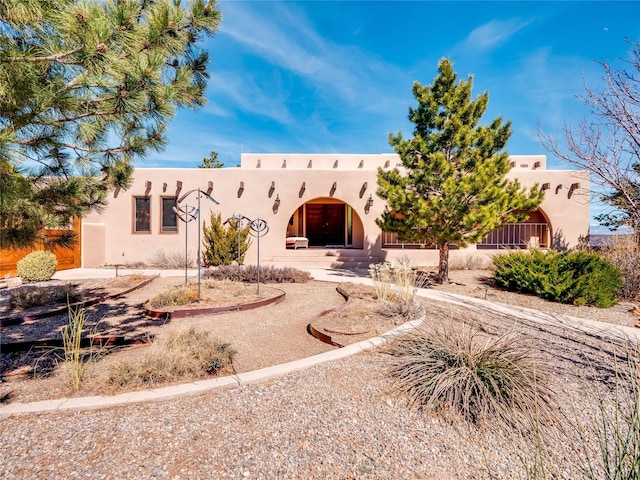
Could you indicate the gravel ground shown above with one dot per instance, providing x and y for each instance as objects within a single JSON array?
[
  {"x": 340, "y": 420},
  {"x": 321, "y": 423},
  {"x": 476, "y": 283}
]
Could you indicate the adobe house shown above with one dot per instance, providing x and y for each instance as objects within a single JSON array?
[{"x": 320, "y": 210}]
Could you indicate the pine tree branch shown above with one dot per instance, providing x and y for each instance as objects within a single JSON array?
[
  {"x": 85, "y": 115},
  {"x": 49, "y": 58}
]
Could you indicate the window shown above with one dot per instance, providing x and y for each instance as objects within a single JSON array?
[
  {"x": 142, "y": 215},
  {"x": 169, "y": 222}
]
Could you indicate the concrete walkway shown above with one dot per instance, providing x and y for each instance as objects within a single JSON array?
[{"x": 329, "y": 275}]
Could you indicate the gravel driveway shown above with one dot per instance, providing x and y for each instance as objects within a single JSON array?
[{"x": 338, "y": 420}]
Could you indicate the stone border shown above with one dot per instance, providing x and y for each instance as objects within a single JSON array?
[
  {"x": 29, "y": 318},
  {"x": 323, "y": 337},
  {"x": 202, "y": 386},
  {"x": 192, "y": 312}
]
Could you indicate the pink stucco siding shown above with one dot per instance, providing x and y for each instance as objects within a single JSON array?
[{"x": 273, "y": 187}]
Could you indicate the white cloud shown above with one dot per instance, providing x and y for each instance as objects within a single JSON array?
[
  {"x": 492, "y": 35},
  {"x": 287, "y": 40},
  {"x": 244, "y": 92}
]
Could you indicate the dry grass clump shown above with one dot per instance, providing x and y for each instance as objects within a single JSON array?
[
  {"x": 394, "y": 286},
  {"x": 29, "y": 296},
  {"x": 125, "y": 280},
  {"x": 382, "y": 276},
  {"x": 178, "y": 356},
  {"x": 175, "y": 296},
  {"x": 174, "y": 259},
  {"x": 452, "y": 369},
  {"x": 76, "y": 358},
  {"x": 249, "y": 273},
  {"x": 623, "y": 251},
  {"x": 470, "y": 262},
  {"x": 401, "y": 309}
]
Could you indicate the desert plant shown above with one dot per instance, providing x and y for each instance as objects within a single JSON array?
[
  {"x": 171, "y": 259},
  {"x": 29, "y": 296},
  {"x": 469, "y": 262},
  {"x": 613, "y": 419},
  {"x": 451, "y": 369},
  {"x": 37, "y": 266},
  {"x": 179, "y": 354},
  {"x": 404, "y": 280},
  {"x": 382, "y": 276},
  {"x": 402, "y": 309},
  {"x": 623, "y": 251},
  {"x": 76, "y": 360},
  {"x": 268, "y": 274},
  {"x": 576, "y": 277},
  {"x": 224, "y": 243},
  {"x": 175, "y": 296}
]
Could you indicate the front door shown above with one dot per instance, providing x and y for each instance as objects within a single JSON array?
[{"x": 325, "y": 224}]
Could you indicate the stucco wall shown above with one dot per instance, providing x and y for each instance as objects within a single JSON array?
[{"x": 108, "y": 238}]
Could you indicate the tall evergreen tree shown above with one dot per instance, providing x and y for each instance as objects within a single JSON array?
[
  {"x": 211, "y": 161},
  {"x": 86, "y": 88},
  {"x": 452, "y": 186}
]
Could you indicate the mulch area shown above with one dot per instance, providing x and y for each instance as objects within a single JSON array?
[{"x": 263, "y": 337}]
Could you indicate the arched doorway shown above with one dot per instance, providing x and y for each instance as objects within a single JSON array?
[{"x": 328, "y": 223}]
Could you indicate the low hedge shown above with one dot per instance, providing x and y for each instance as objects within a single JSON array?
[{"x": 575, "y": 277}]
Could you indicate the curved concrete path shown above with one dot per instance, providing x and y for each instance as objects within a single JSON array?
[{"x": 329, "y": 275}]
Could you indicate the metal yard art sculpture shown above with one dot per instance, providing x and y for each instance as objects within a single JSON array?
[
  {"x": 188, "y": 213},
  {"x": 257, "y": 228}
]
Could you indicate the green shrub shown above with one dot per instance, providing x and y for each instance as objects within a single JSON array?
[
  {"x": 575, "y": 277},
  {"x": 38, "y": 266},
  {"x": 249, "y": 273},
  {"x": 221, "y": 242},
  {"x": 175, "y": 296},
  {"x": 450, "y": 368}
]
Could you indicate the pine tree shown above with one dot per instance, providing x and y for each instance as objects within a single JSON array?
[
  {"x": 452, "y": 186},
  {"x": 211, "y": 161},
  {"x": 86, "y": 89}
]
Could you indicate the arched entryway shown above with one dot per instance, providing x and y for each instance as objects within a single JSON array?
[
  {"x": 535, "y": 232},
  {"x": 328, "y": 223}
]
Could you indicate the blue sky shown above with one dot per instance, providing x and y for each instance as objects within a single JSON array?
[
  {"x": 323, "y": 77},
  {"x": 318, "y": 77}
]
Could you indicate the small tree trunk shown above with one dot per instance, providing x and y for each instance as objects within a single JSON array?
[{"x": 443, "y": 266}]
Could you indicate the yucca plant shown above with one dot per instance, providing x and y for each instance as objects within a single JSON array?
[
  {"x": 76, "y": 359},
  {"x": 451, "y": 368}
]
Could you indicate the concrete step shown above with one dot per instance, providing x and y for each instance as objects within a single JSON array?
[
  {"x": 342, "y": 261},
  {"x": 325, "y": 252}
]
